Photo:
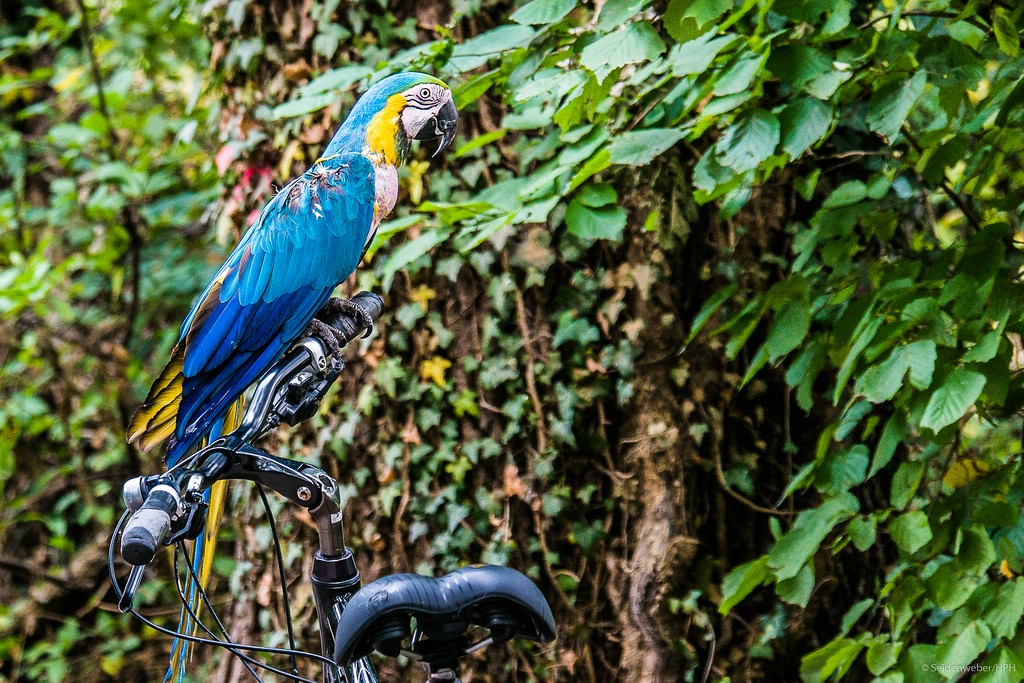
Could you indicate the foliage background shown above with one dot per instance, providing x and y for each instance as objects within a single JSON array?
[{"x": 710, "y": 322}]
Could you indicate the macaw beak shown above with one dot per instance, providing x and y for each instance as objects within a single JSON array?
[{"x": 443, "y": 125}]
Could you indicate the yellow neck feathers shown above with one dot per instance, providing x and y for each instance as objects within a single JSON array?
[{"x": 381, "y": 131}]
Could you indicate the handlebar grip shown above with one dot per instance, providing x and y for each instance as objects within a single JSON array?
[
  {"x": 148, "y": 528},
  {"x": 371, "y": 303}
]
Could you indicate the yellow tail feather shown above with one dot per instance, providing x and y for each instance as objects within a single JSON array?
[
  {"x": 205, "y": 548},
  {"x": 154, "y": 420}
]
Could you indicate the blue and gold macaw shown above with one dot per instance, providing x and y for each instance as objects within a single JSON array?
[{"x": 308, "y": 239}]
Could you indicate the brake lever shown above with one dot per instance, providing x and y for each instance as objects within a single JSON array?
[
  {"x": 190, "y": 525},
  {"x": 261, "y": 416},
  {"x": 305, "y": 392},
  {"x": 131, "y": 587},
  {"x": 278, "y": 397}
]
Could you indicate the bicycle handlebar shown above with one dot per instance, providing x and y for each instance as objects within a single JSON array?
[
  {"x": 149, "y": 527},
  {"x": 372, "y": 304},
  {"x": 290, "y": 391}
]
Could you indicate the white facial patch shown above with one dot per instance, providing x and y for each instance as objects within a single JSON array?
[
  {"x": 413, "y": 119},
  {"x": 422, "y": 102}
]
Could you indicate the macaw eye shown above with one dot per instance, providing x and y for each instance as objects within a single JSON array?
[{"x": 425, "y": 93}]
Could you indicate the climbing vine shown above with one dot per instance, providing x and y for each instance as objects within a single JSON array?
[{"x": 710, "y": 320}]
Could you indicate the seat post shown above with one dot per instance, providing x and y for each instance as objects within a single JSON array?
[
  {"x": 328, "y": 515},
  {"x": 335, "y": 580}
]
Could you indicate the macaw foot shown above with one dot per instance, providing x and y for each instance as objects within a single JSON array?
[
  {"x": 351, "y": 308},
  {"x": 331, "y": 337}
]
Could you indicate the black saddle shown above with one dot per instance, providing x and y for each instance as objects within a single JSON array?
[{"x": 499, "y": 599}]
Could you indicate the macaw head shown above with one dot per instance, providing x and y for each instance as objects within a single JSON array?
[{"x": 397, "y": 110}]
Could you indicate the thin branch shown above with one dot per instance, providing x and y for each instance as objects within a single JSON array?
[
  {"x": 397, "y": 536},
  {"x": 128, "y": 215},
  {"x": 934, "y": 15},
  {"x": 546, "y": 553},
  {"x": 720, "y": 475},
  {"x": 529, "y": 376},
  {"x": 959, "y": 201},
  {"x": 32, "y": 571}
]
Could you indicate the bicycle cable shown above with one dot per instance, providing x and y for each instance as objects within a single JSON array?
[
  {"x": 186, "y": 608},
  {"x": 235, "y": 648},
  {"x": 280, "y": 570},
  {"x": 195, "y": 639}
]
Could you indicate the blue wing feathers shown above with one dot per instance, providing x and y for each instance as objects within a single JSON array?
[{"x": 282, "y": 272}]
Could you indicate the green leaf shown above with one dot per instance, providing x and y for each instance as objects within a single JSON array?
[
  {"x": 804, "y": 123},
  {"x": 473, "y": 235},
  {"x": 759, "y": 360},
  {"x": 739, "y": 76},
  {"x": 637, "y": 42},
  {"x": 614, "y": 13},
  {"x": 850, "y": 418},
  {"x": 949, "y": 588},
  {"x": 336, "y": 79},
  {"x": 911, "y": 531},
  {"x": 892, "y": 436},
  {"x": 921, "y": 355},
  {"x": 685, "y": 19},
  {"x": 1006, "y": 33},
  {"x": 597, "y": 163},
  {"x": 881, "y": 656},
  {"x": 480, "y": 141},
  {"x": 550, "y": 85},
  {"x": 977, "y": 552},
  {"x": 951, "y": 401},
  {"x": 543, "y": 11},
  {"x": 586, "y": 536},
  {"x": 842, "y": 470},
  {"x": 741, "y": 580},
  {"x": 302, "y": 106},
  {"x": 791, "y": 324},
  {"x": 708, "y": 309},
  {"x": 478, "y": 51},
  {"x": 865, "y": 331},
  {"x": 590, "y": 223},
  {"x": 905, "y": 482},
  {"x": 798, "y": 544},
  {"x": 597, "y": 195},
  {"x": 965, "y": 648},
  {"x": 473, "y": 89},
  {"x": 862, "y": 531},
  {"x": 640, "y": 147},
  {"x": 800, "y": 480},
  {"x": 881, "y": 382},
  {"x": 711, "y": 179},
  {"x": 853, "y": 614},
  {"x": 836, "y": 656},
  {"x": 1005, "y": 611},
  {"x": 850, "y": 192},
  {"x": 795, "y": 65},
  {"x": 986, "y": 349},
  {"x": 891, "y": 103},
  {"x": 746, "y": 144},
  {"x": 389, "y": 229},
  {"x": 409, "y": 252},
  {"x": 1000, "y": 662},
  {"x": 797, "y": 590},
  {"x": 803, "y": 372},
  {"x": 695, "y": 56}
]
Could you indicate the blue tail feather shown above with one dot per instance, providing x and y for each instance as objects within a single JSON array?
[{"x": 180, "y": 648}]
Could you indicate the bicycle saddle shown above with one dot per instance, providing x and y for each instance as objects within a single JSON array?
[{"x": 499, "y": 599}]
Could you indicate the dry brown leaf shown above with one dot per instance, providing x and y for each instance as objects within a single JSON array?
[{"x": 514, "y": 486}]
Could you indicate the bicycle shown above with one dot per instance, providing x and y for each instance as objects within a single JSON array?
[{"x": 434, "y": 616}]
